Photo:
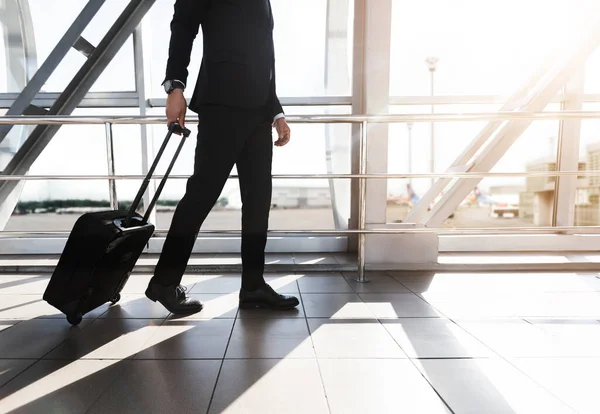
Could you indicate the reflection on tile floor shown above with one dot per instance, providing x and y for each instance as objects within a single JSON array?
[{"x": 403, "y": 343}]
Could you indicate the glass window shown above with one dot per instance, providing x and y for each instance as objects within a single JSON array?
[
  {"x": 494, "y": 199},
  {"x": 300, "y": 46},
  {"x": 46, "y": 33},
  {"x": 74, "y": 150},
  {"x": 587, "y": 197},
  {"x": 3, "y": 62},
  {"x": 483, "y": 47},
  {"x": 297, "y": 203}
]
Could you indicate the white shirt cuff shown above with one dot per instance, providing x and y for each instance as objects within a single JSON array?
[{"x": 278, "y": 116}]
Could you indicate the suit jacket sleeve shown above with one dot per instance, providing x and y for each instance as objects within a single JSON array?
[
  {"x": 187, "y": 17},
  {"x": 276, "y": 107}
]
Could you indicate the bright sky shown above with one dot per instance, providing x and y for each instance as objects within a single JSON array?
[{"x": 485, "y": 47}]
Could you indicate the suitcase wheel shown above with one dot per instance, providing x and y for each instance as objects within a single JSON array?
[
  {"x": 116, "y": 298},
  {"x": 74, "y": 318}
]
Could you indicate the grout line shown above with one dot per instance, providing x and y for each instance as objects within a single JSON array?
[
  {"x": 37, "y": 360},
  {"x": 212, "y": 395},
  {"x": 123, "y": 363},
  {"x": 502, "y": 357},
  {"x": 410, "y": 360},
  {"x": 314, "y": 350}
]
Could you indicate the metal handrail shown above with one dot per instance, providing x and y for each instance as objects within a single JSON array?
[
  {"x": 585, "y": 173},
  {"x": 363, "y": 121},
  {"x": 388, "y": 118},
  {"x": 419, "y": 230}
]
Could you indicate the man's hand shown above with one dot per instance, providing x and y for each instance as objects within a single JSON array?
[
  {"x": 283, "y": 132},
  {"x": 176, "y": 107}
]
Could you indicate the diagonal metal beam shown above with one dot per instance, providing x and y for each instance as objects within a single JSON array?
[
  {"x": 487, "y": 158},
  {"x": 461, "y": 164},
  {"x": 75, "y": 91},
  {"x": 42, "y": 75},
  {"x": 497, "y": 137},
  {"x": 84, "y": 47}
]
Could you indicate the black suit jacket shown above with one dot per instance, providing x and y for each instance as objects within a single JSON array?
[{"x": 238, "y": 62}]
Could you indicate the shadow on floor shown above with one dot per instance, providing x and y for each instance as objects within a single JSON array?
[{"x": 114, "y": 362}]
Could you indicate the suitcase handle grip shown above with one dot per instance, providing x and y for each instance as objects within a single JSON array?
[{"x": 174, "y": 128}]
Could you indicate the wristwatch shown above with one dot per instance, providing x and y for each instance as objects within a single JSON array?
[{"x": 172, "y": 84}]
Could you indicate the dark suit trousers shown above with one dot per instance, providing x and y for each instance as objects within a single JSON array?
[{"x": 226, "y": 137}]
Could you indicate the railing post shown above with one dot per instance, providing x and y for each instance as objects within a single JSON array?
[
  {"x": 110, "y": 161},
  {"x": 362, "y": 202}
]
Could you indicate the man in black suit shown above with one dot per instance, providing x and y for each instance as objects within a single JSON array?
[{"x": 237, "y": 106}]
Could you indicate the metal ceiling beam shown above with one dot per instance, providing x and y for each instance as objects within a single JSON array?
[
  {"x": 75, "y": 92},
  {"x": 42, "y": 75}
]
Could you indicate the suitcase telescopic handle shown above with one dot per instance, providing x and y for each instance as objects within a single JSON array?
[{"x": 174, "y": 128}]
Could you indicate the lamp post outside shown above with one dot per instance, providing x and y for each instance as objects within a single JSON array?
[
  {"x": 432, "y": 65},
  {"x": 410, "y": 164}
]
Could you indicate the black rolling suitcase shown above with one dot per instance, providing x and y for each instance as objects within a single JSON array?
[{"x": 102, "y": 250}]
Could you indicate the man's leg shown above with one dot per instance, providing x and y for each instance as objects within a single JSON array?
[
  {"x": 254, "y": 170},
  {"x": 215, "y": 156}
]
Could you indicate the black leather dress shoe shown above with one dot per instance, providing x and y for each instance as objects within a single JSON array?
[
  {"x": 173, "y": 298},
  {"x": 266, "y": 297}
]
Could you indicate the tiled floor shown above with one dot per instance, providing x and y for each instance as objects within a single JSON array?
[{"x": 402, "y": 343}]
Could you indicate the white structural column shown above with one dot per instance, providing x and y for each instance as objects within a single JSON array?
[
  {"x": 568, "y": 153},
  {"x": 336, "y": 78},
  {"x": 371, "y": 91}
]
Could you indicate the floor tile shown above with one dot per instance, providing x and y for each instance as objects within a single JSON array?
[
  {"x": 314, "y": 259},
  {"x": 572, "y": 380},
  {"x": 416, "y": 281},
  {"x": 488, "y": 386},
  {"x": 216, "y": 284},
  {"x": 36, "y": 337},
  {"x": 154, "y": 386},
  {"x": 506, "y": 282},
  {"x": 515, "y": 338},
  {"x": 108, "y": 339},
  {"x": 335, "y": 306},
  {"x": 378, "y": 282},
  {"x": 8, "y": 323},
  {"x": 297, "y": 312},
  {"x": 200, "y": 339},
  {"x": 24, "y": 285},
  {"x": 223, "y": 259},
  {"x": 284, "y": 283},
  {"x": 466, "y": 305},
  {"x": 269, "y": 386},
  {"x": 581, "y": 336},
  {"x": 137, "y": 307},
  {"x": 434, "y": 338},
  {"x": 345, "y": 258},
  {"x": 34, "y": 306},
  {"x": 215, "y": 305},
  {"x": 58, "y": 387},
  {"x": 279, "y": 259},
  {"x": 572, "y": 304},
  {"x": 352, "y": 339},
  {"x": 398, "y": 305},
  {"x": 137, "y": 284},
  {"x": 10, "y": 368},
  {"x": 200, "y": 258},
  {"x": 270, "y": 338},
  {"x": 323, "y": 283},
  {"x": 26, "y": 307},
  {"x": 377, "y": 386}
]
